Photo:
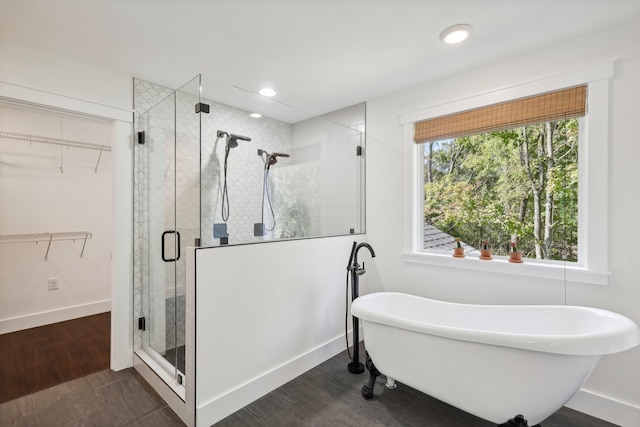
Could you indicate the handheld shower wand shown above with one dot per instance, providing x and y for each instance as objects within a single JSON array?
[
  {"x": 269, "y": 159},
  {"x": 232, "y": 142}
]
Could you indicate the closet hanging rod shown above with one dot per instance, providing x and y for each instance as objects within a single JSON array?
[
  {"x": 39, "y": 237},
  {"x": 55, "y": 141},
  {"x": 48, "y": 237}
]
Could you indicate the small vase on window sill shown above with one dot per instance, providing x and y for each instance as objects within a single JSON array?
[
  {"x": 514, "y": 255},
  {"x": 485, "y": 252},
  {"x": 458, "y": 251}
]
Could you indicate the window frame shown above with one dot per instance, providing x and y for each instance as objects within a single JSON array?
[{"x": 592, "y": 264}]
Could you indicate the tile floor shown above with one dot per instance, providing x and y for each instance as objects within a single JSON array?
[
  {"x": 324, "y": 396},
  {"x": 101, "y": 399}
]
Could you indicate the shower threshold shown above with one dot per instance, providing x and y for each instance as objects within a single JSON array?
[
  {"x": 155, "y": 375},
  {"x": 162, "y": 369}
]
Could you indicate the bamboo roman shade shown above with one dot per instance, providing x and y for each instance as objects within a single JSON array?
[{"x": 558, "y": 105}]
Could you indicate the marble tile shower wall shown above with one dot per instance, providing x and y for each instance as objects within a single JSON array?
[{"x": 244, "y": 170}]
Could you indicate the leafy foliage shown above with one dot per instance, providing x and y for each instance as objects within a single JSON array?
[{"x": 518, "y": 182}]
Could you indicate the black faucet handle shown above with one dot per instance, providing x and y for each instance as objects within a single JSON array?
[{"x": 360, "y": 271}]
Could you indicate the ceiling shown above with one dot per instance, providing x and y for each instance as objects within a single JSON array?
[{"x": 319, "y": 55}]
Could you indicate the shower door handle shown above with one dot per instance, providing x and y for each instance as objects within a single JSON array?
[{"x": 165, "y": 259}]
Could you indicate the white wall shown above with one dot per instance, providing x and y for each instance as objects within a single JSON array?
[
  {"x": 264, "y": 314},
  {"x": 617, "y": 376},
  {"x": 51, "y": 188},
  {"x": 37, "y": 69},
  {"x": 38, "y": 77}
]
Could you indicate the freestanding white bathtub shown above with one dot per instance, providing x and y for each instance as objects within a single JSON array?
[{"x": 490, "y": 360}]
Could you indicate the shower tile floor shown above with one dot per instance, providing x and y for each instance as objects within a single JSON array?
[
  {"x": 175, "y": 328},
  {"x": 175, "y": 356}
]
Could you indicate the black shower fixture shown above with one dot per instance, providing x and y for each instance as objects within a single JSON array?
[
  {"x": 232, "y": 139},
  {"x": 270, "y": 158},
  {"x": 273, "y": 158},
  {"x": 232, "y": 142}
]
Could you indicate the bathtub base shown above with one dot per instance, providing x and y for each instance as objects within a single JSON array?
[
  {"x": 367, "y": 389},
  {"x": 367, "y": 393}
]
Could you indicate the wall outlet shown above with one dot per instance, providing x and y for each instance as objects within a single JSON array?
[{"x": 53, "y": 283}]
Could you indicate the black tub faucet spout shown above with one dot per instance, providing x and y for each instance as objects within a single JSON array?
[{"x": 356, "y": 267}]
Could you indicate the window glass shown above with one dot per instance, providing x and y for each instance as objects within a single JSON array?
[{"x": 517, "y": 186}]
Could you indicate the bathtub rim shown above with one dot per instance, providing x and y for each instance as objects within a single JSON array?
[{"x": 601, "y": 342}]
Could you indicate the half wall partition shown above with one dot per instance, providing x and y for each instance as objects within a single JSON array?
[{"x": 207, "y": 173}]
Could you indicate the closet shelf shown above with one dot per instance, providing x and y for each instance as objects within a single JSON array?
[
  {"x": 56, "y": 141},
  {"x": 48, "y": 237}
]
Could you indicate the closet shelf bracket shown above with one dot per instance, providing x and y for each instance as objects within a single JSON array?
[{"x": 99, "y": 157}]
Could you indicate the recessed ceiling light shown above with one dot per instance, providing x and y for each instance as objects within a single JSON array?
[
  {"x": 267, "y": 91},
  {"x": 455, "y": 34},
  {"x": 255, "y": 115}
]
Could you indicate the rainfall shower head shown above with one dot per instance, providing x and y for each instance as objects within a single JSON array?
[{"x": 232, "y": 139}]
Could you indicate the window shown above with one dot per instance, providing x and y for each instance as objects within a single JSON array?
[
  {"x": 576, "y": 233},
  {"x": 506, "y": 174}
]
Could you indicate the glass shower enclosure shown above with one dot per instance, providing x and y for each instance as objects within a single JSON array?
[{"x": 208, "y": 173}]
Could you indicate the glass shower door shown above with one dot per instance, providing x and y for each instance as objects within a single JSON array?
[
  {"x": 167, "y": 220},
  {"x": 158, "y": 238}
]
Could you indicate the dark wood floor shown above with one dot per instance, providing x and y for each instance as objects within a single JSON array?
[{"x": 38, "y": 358}]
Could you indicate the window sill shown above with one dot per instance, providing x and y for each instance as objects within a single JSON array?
[{"x": 530, "y": 268}]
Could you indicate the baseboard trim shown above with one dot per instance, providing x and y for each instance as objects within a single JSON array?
[
  {"x": 605, "y": 408},
  {"x": 54, "y": 316},
  {"x": 227, "y": 403}
]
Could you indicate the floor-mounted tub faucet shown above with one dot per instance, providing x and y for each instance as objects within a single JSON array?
[
  {"x": 361, "y": 271},
  {"x": 355, "y": 367}
]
